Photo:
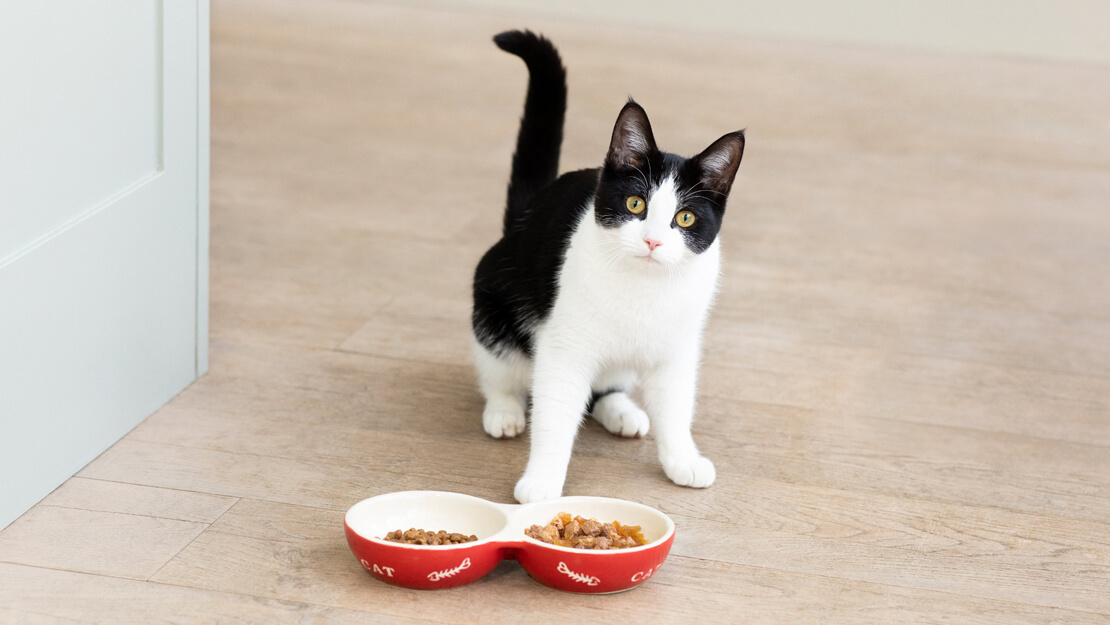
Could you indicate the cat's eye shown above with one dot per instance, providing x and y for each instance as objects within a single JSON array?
[
  {"x": 635, "y": 204},
  {"x": 684, "y": 219}
]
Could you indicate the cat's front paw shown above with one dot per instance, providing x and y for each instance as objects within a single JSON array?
[
  {"x": 530, "y": 489},
  {"x": 695, "y": 472},
  {"x": 503, "y": 419},
  {"x": 617, "y": 413}
]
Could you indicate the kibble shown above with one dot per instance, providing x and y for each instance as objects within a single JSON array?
[{"x": 413, "y": 536}]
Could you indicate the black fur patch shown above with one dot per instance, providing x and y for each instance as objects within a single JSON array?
[
  {"x": 516, "y": 281},
  {"x": 596, "y": 396}
]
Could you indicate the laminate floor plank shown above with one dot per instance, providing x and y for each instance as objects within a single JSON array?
[
  {"x": 915, "y": 388},
  {"x": 318, "y": 483},
  {"x": 104, "y": 543},
  {"x": 30, "y": 596},
  {"x": 101, "y": 496}
]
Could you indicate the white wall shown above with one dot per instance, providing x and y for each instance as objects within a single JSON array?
[{"x": 1060, "y": 30}]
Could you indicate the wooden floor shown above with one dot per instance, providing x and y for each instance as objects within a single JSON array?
[{"x": 906, "y": 386}]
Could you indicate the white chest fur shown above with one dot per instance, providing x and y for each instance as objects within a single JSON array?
[{"x": 624, "y": 309}]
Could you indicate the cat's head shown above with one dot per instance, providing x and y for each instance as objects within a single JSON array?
[{"x": 657, "y": 207}]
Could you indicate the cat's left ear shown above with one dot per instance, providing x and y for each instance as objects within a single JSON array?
[{"x": 718, "y": 163}]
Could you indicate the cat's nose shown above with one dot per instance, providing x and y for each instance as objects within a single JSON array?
[{"x": 652, "y": 244}]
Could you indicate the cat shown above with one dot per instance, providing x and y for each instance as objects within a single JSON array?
[{"x": 602, "y": 281}]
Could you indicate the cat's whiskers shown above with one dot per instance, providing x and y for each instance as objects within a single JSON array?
[
  {"x": 686, "y": 196},
  {"x": 700, "y": 183},
  {"x": 694, "y": 193},
  {"x": 673, "y": 271},
  {"x": 612, "y": 254},
  {"x": 647, "y": 185}
]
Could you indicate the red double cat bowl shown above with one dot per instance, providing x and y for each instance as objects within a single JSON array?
[{"x": 500, "y": 530}]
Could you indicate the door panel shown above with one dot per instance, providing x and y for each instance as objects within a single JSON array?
[
  {"x": 102, "y": 284},
  {"x": 90, "y": 120}
]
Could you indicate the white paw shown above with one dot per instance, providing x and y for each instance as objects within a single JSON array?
[
  {"x": 617, "y": 413},
  {"x": 530, "y": 489},
  {"x": 695, "y": 472},
  {"x": 503, "y": 419}
]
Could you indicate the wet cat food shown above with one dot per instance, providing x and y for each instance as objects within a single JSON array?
[
  {"x": 423, "y": 537},
  {"x": 579, "y": 533}
]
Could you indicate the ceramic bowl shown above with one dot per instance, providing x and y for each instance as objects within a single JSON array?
[{"x": 500, "y": 530}]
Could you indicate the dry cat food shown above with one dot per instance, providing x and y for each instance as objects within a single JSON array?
[
  {"x": 579, "y": 533},
  {"x": 423, "y": 537}
]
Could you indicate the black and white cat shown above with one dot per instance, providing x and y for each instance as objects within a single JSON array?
[{"x": 601, "y": 282}]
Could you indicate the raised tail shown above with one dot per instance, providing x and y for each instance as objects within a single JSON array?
[{"x": 536, "y": 160}]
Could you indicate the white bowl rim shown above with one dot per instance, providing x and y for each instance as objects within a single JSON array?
[
  {"x": 512, "y": 534},
  {"x": 402, "y": 494}
]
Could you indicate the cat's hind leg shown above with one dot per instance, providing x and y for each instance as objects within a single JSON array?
[
  {"x": 504, "y": 380},
  {"x": 612, "y": 407}
]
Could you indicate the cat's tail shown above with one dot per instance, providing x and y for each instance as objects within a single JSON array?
[{"x": 536, "y": 160}]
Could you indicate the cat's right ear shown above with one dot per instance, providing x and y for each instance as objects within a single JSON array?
[{"x": 632, "y": 141}]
